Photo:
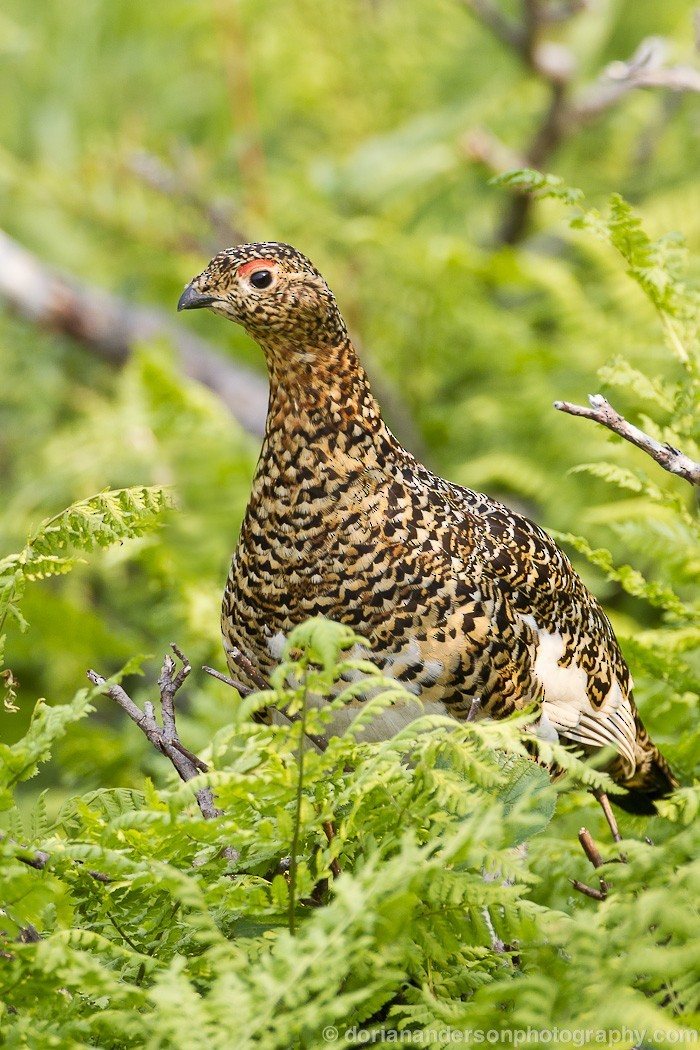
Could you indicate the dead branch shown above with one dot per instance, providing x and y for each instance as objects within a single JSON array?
[
  {"x": 474, "y": 710},
  {"x": 110, "y": 327},
  {"x": 165, "y": 738},
  {"x": 645, "y": 69},
  {"x": 601, "y": 411},
  {"x": 252, "y": 674},
  {"x": 329, "y": 832},
  {"x": 604, "y": 802},
  {"x": 593, "y": 854},
  {"x": 589, "y": 847}
]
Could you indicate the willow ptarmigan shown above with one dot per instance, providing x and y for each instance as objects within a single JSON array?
[{"x": 458, "y": 596}]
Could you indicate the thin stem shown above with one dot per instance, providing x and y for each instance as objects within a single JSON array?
[
  {"x": 297, "y": 813},
  {"x": 125, "y": 936},
  {"x": 330, "y": 835},
  {"x": 604, "y": 803},
  {"x": 674, "y": 338}
]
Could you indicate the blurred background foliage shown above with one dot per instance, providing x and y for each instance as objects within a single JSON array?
[{"x": 138, "y": 139}]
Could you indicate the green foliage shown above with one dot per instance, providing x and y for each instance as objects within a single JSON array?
[
  {"x": 657, "y": 266},
  {"x": 667, "y": 537},
  {"x": 21, "y": 761},
  {"x": 52, "y": 549},
  {"x": 144, "y": 930}
]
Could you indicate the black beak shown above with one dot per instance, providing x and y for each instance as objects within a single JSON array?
[{"x": 191, "y": 299}]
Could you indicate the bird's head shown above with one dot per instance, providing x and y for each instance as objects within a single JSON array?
[{"x": 273, "y": 291}]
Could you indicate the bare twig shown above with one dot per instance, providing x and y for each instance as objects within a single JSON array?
[
  {"x": 329, "y": 832},
  {"x": 593, "y": 853},
  {"x": 244, "y": 690},
  {"x": 545, "y": 142},
  {"x": 169, "y": 682},
  {"x": 474, "y": 709},
  {"x": 251, "y": 672},
  {"x": 253, "y": 675},
  {"x": 110, "y": 327},
  {"x": 591, "y": 850},
  {"x": 551, "y": 62},
  {"x": 589, "y": 891},
  {"x": 165, "y": 738},
  {"x": 39, "y": 859},
  {"x": 645, "y": 69},
  {"x": 601, "y": 411},
  {"x": 589, "y": 847},
  {"x": 36, "y": 860},
  {"x": 604, "y": 803}
]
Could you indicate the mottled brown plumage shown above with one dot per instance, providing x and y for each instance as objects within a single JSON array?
[{"x": 458, "y": 596}]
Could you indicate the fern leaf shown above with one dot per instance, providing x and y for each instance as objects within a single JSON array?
[
  {"x": 99, "y": 521},
  {"x": 631, "y": 580}
]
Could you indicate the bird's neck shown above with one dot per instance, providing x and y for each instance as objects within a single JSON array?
[{"x": 320, "y": 396}]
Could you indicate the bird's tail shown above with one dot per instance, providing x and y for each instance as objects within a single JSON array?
[{"x": 652, "y": 778}]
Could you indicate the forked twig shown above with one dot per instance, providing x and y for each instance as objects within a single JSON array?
[
  {"x": 165, "y": 738},
  {"x": 593, "y": 854}
]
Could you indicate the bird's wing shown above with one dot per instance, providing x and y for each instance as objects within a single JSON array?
[{"x": 576, "y": 657}]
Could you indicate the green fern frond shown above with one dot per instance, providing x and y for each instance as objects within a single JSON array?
[
  {"x": 20, "y": 761},
  {"x": 109, "y": 517},
  {"x": 621, "y": 373},
  {"x": 630, "y": 579},
  {"x": 112, "y": 516}
]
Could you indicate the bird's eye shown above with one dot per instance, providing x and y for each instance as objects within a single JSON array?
[{"x": 261, "y": 278}]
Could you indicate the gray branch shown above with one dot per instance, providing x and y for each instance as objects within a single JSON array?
[
  {"x": 38, "y": 859},
  {"x": 645, "y": 69},
  {"x": 165, "y": 738},
  {"x": 601, "y": 411}
]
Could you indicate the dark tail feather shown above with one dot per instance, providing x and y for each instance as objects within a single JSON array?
[
  {"x": 656, "y": 781},
  {"x": 636, "y": 803}
]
